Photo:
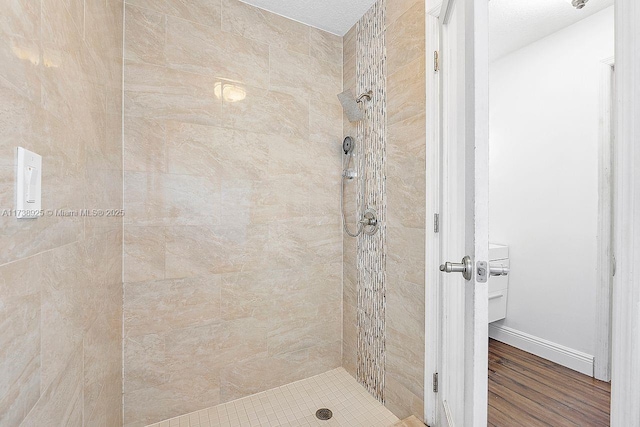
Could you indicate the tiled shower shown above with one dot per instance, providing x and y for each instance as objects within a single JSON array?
[{"x": 205, "y": 139}]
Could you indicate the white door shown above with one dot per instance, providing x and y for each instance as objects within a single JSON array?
[{"x": 462, "y": 376}]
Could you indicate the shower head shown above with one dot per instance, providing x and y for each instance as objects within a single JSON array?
[
  {"x": 578, "y": 4},
  {"x": 348, "y": 145},
  {"x": 350, "y": 106}
]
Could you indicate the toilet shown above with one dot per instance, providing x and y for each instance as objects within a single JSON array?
[{"x": 498, "y": 284}]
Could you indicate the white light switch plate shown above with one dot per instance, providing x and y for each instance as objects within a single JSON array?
[{"x": 28, "y": 184}]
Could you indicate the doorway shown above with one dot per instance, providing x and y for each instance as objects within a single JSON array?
[
  {"x": 550, "y": 205},
  {"x": 581, "y": 360}
]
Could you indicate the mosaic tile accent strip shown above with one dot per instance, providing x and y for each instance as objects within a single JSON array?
[
  {"x": 295, "y": 405},
  {"x": 371, "y": 256}
]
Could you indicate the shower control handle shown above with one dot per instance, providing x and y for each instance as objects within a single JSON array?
[
  {"x": 369, "y": 221},
  {"x": 349, "y": 174},
  {"x": 465, "y": 267}
]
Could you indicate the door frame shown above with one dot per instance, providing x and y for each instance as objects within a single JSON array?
[
  {"x": 625, "y": 319},
  {"x": 475, "y": 389},
  {"x": 432, "y": 253},
  {"x": 606, "y": 202},
  {"x": 625, "y": 349}
]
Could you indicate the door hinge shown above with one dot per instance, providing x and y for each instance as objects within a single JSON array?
[
  {"x": 435, "y": 382},
  {"x": 436, "y": 223},
  {"x": 436, "y": 61}
]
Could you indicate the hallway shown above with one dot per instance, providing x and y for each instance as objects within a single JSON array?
[{"x": 526, "y": 390}]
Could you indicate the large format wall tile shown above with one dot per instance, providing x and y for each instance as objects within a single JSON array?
[
  {"x": 61, "y": 276},
  {"x": 405, "y": 198},
  {"x": 209, "y": 51},
  {"x": 349, "y": 251},
  {"x": 20, "y": 353},
  {"x": 406, "y": 192},
  {"x": 205, "y": 12},
  {"x": 257, "y": 24},
  {"x": 233, "y": 246},
  {"x": 147, "y": 34}
]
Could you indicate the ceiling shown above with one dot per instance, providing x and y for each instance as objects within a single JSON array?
[
  {"x": 514, "y": 23},
  {"x": 517, "y": 23},
  {"x": 334, "y": 16}
]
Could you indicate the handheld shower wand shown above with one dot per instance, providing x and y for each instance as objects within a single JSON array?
[
  {"x": 369, "y": 222},
  {"x": 348, "y": 174}
]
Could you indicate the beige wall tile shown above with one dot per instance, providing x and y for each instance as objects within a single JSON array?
[
  {"x": 350, "y": 339},
  {"x": 290, "y": 71},
  {"x": 281, "y": 197},
  {"x": 405, "y": 193},
  {"x": 144, "y": 249},
  {"x": 396, "y": 8},
  {"x": 349, "y": 44},
  {"x": 349, "y": 74},
  {"x": 405, "y": 360},
  {"x": 325, "y": 46},
  {"x": 61, "y": 76},
  {"x": 200, "y": 251},
  {"x": 175, "y": 304},
  {"x": 326, "y": 84},
  {"x": 405, "y": 308},
  {"x": 279, "y": 295},
  {"x": 163, "y": 199},
  {"x": 210, "y": 151},
  {"x": 110, "y": 397},
  {"x": 62, "y": 310},
  {"x": 61, "y": 403},
  {"x": 325, "y": 129},
  {"x": 406, "y": 38},
  {"x": 242, "y": 192},
  {"x": 202, "y": 11},
  {"x": 298, "y": 242},
  {"x": 144, "y": 362},
  {"x": 263, "y": 372},
  {"x": 21, "y": 47},
  {"x": 145, "y": 36},
  {"x": 406, "y": 168},
  {"x": 20, "y": 286},
  {"x": 407, "y": 86},
  {"x": 163, "y": 94},
  {"x": 181, "y": 396},
  {"x": 209, "y": 51},
  {"x": 102, "y": 352},
  {"x": 103, "y": 29},
  {"x": 263, "y": 26},
  {"x": 144, "y": 148},
  {"x": 270, "y": 112},
  {"x": 400, "y": 401}
]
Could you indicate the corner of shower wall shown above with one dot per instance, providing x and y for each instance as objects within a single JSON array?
[
  {"x": 364, "y": 256},
  {"x": 349, "y": 277},
  {"x": 61, "y": 273},
  {"x": 404, "y": 164}
]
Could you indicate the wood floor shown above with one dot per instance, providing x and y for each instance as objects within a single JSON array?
[{"x": 525, "y": 390}]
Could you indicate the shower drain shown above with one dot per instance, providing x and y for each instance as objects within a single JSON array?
[{"x": 324, "y": 414}]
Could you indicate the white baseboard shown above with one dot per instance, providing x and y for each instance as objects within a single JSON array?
[{"x": 565, "y": 356}]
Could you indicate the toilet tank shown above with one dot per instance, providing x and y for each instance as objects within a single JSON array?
[{"x": 498, "y": 286}]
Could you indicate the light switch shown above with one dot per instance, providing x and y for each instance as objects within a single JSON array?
[{"x": 28, "y": 184}]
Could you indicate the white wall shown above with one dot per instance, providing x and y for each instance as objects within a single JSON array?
[{"x": 544, "y": 177}]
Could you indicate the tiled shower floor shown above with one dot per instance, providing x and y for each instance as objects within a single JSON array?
[{"x": 295, "y": 404}]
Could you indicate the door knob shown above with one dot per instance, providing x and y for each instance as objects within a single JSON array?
[
  {"x": 465, "y": 267},
  {"x": 496, "y": 269}
]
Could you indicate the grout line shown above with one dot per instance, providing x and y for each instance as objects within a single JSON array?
[{"x": 122, "y": 136}]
